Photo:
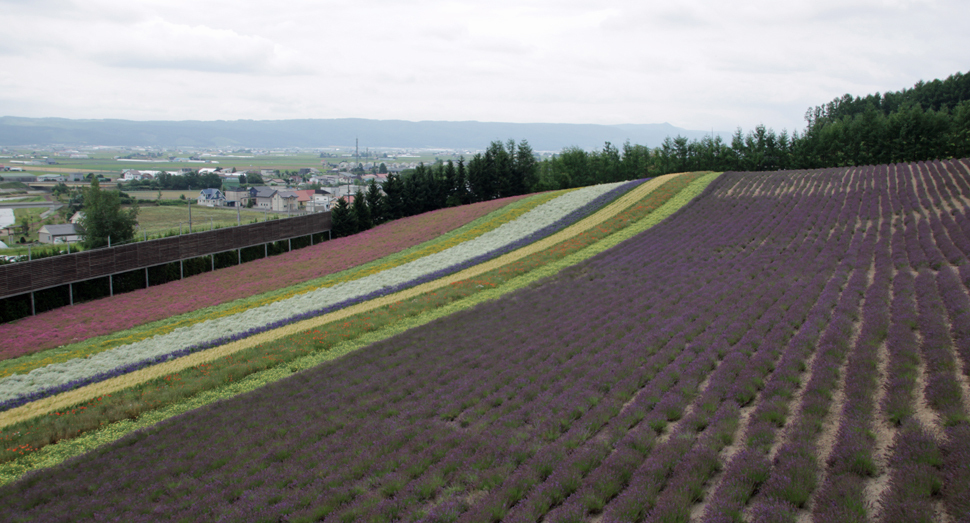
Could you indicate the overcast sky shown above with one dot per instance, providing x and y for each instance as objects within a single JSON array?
[{"x": 695, "y": 64}]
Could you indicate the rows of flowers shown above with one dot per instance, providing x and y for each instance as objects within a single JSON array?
[
  {"x": 540, "y": 222},
  {"x": 95, "y": 345},
  {"x": 83, "y": 321},
  {"x": 641, "y": 209},
  {"x": 612, "y": 391}
]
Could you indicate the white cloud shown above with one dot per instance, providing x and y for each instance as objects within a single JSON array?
[{"x": 696, "y": 64}]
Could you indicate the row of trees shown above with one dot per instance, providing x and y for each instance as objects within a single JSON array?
[
  {"x": 931, "y": 120},
  {"x": 504, "y": 169}
]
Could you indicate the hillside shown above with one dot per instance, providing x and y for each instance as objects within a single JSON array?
[{"x": 786, "y": 345}]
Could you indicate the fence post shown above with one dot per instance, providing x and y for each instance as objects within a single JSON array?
[
  {"x": 33, "y": 310},
  {"x": 239, "y": 256},
  {"x": 146, "y": 277},
  {"x": 181, "y": 270},
  {"x": 213, "y": 258},
  {"x": 70, "y": 291},
  {"x": 111, "y": 285}
]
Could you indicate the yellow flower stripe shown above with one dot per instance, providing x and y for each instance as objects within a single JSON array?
[
  {"x": 102, "y": 343},
  {"x": 55, "y": 454}
]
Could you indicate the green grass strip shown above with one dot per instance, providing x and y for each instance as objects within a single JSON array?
[
  {"x": 55, "y": 454},
  {"x": 98, "y": 344}
]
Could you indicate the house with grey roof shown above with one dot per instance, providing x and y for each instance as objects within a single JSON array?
[
  {"x": 212, "y": 198},
  {"x": 67, "y": 232},
  {"x": 264, "y": 197},
  {"x": 286, "y": 201}
]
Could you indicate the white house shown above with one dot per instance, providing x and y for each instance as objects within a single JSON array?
[
  {"x": 321, "y": 201},
  {"x": 212, "y": 198}
]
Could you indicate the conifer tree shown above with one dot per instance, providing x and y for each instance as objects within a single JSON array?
[
  {"x": 361, "y": 211},
  {"x": 343, "y": 221},
  {"x": 376, "y": 204}
]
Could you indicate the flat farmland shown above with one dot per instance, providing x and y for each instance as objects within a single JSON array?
[
  {"x": 155, "y": 220},
  {"x": 166, "y": 195},
  {"x": 789, "y": 346}
]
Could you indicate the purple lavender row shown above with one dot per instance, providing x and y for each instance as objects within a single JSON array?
[
  {"x": 566, "y": 221},
  {"x": 943, "y": 392},
  {"x": 525, "y": 480},
  {"x": 750, "y": 467},
  {"x": 686, "y": 487},
  {"x": 623, "y": 511},
  {"x": 793, "y": 477},
  {"x": 851, "y": 462},
  {"x": 956, "y": 464},
  {"x": 580, "y": 462},
  {"x": 733, "y": 388},
  {"x": 953, "y": 240},
  {"x": 942, "y": 389},
  {"x": 703, "y": 460},
  {"x": 960, "y": 172},
  {"x": 540, "y": 503}
]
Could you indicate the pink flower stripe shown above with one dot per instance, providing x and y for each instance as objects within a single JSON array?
[{"x": 124, "y": 311}]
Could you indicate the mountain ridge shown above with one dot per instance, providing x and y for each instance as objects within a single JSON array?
[{"x": 312, "y": 133}]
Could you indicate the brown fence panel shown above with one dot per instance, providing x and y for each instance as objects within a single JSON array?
[
  {"x": 190, "y": 246},
  {"x": 18, "y": 278},
  {"x": 101, "y": 263},
  {"x": 47, "y": 272},
  {"x": 126, "y": 258},
  {"x": 223, "y": 240},
  {"x": 168, "y": 249}
]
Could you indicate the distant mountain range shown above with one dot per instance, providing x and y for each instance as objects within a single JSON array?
[{"x": 324, "y": 133}]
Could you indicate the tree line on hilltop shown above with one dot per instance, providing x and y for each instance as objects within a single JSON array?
[{"x": 929, "y": 121}]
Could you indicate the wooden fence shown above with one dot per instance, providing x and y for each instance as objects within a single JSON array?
[{"x": 23, "y": 277}]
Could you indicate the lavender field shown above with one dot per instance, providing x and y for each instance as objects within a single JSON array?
[{"x": 790, "y": 346}]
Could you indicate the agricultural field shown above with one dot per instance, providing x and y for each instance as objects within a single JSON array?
[
  {"x": 160, "y": 220},
  {"x": 785, "y": 346},
  {"x": 106, "y": 164},
  {"x": 166, "y": 195}
]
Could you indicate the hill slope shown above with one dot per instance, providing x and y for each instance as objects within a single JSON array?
[{"x": 788, "y": 344}]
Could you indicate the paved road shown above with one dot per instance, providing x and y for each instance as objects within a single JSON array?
[{"x": 27, "y": 205}]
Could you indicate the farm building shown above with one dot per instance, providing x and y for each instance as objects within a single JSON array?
[{"x": 67, "y": 232}]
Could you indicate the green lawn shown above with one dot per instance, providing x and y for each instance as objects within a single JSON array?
[
  {"x": 166, "y": 195},
  {"x": 161, "y": 220}
]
